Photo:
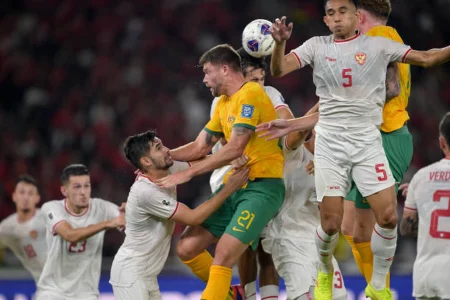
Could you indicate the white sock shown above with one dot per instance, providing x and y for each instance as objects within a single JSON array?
[
  {"x": 250, "y": 291},
  {"x": 269, "y": 292},
  {"x": 325, "y": 247},
  {"x": 383, "y": 244}
]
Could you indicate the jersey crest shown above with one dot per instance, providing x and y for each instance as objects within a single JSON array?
[{"x": 360, "y": 58}]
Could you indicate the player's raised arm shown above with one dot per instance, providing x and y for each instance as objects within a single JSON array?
[
  {"x": 198, "y": 148},
  {"x": 296, "y": 138},
  {"x": 427, "y": 59},
  {"x": 197, "y": 216},
  {"x": 74, "y": 235},
  {"x": 278, "y": 128},
  {"x": 392, "y": 81},
  {"x": 280, "y": 63}
]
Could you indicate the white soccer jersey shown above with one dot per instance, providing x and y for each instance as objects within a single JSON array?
[
  {"x": 299, "y": 215},
  {"x": 429, "y": 195},
  {"x": 72, "y": 270},
  {"x": 27, "y": 241},
  {"x": 350, "y": 77},
  {"x": 218, "y": 175},
  {"x": 149, "y": 229}
]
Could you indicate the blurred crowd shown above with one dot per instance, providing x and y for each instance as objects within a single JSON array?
[{"x": 78, "y": 76}]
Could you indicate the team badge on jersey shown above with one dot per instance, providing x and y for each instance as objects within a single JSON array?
[
  {"x": 33, "y": 234},
  {"x": 360, "y": 58},
  {"x": 247, "y": 111}
]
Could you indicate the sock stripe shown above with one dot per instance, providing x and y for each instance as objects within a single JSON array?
[
  {"x": 318, "y": 235},
  {"x": 270, "y": 297},
  {"x": 248, "y": 296},
  {"x": 384, "y": 237}
]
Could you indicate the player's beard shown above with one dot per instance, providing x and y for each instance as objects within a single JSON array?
[{"x": 165, "y": 164}]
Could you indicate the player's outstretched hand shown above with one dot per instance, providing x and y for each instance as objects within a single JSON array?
[
  {"x": 239, "y": 162},
  {"x": 174, "y": 179},
  {"x": 404, "y": 188},
  {"x": 310, "y": 167},
  {"x": 280, "y": 32},
  {"x": 237, "y": 179},
  {"x": 117, "y": 222},
  {"x": 122, "y": 207},
  {"x": 273, "y": 129}
]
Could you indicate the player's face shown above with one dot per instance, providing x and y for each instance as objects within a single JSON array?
[
  {"x": 341, "y": 18},
  {"x": 159, "y": 155},
  {"x": 213, "y": 78},
  {"x": 26, "y": 196},
  {"x": 255, "y": 75},
  {"x": 78, "y": 190}
]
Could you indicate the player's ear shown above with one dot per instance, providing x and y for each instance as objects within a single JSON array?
[
  {"x": 145, "y": 161},
  {"x": 325, "y": 20},
  {"x": 442, "y": 144},
  {"x": 225, "y": 69},
  {"x": 64, "y": 190}
]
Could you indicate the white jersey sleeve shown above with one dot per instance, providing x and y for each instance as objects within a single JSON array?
[
  {"x": 392, "y": 50},
  {"x": 213, "y": 107},
  {"x": 54, "y": 215},
  {"x": 111, "y": 209},
  {"x": 305, "y": 53},
  {"x": 275, "y": 96},
  {"x": 178, "y": 166},
  {"x": 156, "y": 203}
]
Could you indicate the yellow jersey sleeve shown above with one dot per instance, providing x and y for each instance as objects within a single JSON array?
[
  {"x": 249, "y": 108},
  {"x": 214, "y": 126},
  {"x": 395, "y": 114}
]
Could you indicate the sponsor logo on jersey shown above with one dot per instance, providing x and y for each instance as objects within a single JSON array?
[
  {"x": 231, "y": 119},
  {"x": 360, "y": 58},
  {"x": 330, "y": 58},
  {"x": 247, "y": 111},
  {"x": 165, "y": 202},
  {"x": 50, "y": 216}
]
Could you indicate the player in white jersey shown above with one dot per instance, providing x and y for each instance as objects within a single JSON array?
[
  {"x": 24, "y": 231},
  {"x": 254, "y": 69},
  {"x": 349, "y": 71},
  {"x": 151, "y": 213},
  {"x": 426, "y": 215},
  {"x": 75, "y": 230}
]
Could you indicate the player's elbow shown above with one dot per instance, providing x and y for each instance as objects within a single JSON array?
[
  {"x": 427, "y": 59},
  {"x": 71, "y": 236}
]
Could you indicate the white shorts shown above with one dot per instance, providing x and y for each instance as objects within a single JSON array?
[
  {"x": 297, "y": 263},
  {"x": 430, "y": 278},
  {"x": 48, "y": 295},
  {"x": 340, "y": 156},
  {"x": 141, "y": 289}
]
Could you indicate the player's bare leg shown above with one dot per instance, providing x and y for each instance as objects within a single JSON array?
[
  {"x": 248, "y": 271},
  {"x": 228, "y": 251},
  {"x": 383, "y": 240},
  {"x": 327, "y": 236},
  {"x": 191, "y": 250},
  {"x": 268, "y": 276}
]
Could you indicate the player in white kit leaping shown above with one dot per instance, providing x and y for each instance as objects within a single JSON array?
[
  {"x": 75, "y": 230},
  {"x": 425, "y": 215},
  {"x": 151, "y": 213},
  {"x": 349, "y": 74},
  {"x": 24, "y": 231}
]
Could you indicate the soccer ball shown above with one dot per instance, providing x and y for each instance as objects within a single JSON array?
[{"x": 256, "y": 38}]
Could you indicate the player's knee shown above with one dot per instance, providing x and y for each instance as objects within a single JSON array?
[
  {"x": 388, "y": 218},
  {"x": 347, "y": 227},
  {"x": 331, "y": 223},
  {"x": 186, "y": 250}
]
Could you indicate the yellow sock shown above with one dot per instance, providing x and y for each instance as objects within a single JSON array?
[
  {"x": 219, "y": 283},
  {"x": 355, "y": 252},
  {"x": 200, "y": 265},
  {"x": 367, "y": 261}
]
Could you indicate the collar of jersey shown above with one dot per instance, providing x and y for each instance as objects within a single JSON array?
[{"x": 349, "y": 39}]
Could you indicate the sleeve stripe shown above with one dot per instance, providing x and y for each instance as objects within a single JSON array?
[
  {"x": 56, "y": 224},
  {"x": 406, "y": 54},
  {"x": 298, "y": 60},
  {"x": 285, "y": 144},
  {"x": 245, "y": 125},
  {"x": 190, "y": 165},
  {"x": 281, "y": 105},
  {"x": 174, "y": 211},
  {"x": 213, "y": 132},
  {"x": 410, "y": 208}
]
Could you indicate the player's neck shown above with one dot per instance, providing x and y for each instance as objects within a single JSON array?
[
  {"x": 347, "y": 37},
  {"x": 235, "y": 84},
  {"x": 75, "y": 209},
  {"x": 155, "y": 174},
  {"x": 25, "y": 215}
]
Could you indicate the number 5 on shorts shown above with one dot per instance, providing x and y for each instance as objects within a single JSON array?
[{"x": 379, "y": 169}]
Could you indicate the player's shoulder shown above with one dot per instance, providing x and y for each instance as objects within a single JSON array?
[
  {"x": 275, "y": 96},
  {"x": 252, "y": 87},
  {"x": 143, "y": 185},
  {"x": 9, "y": 220},
  {"x": 436, "y": 166},
  {"x": 52, "y": 204},
  {"x": 99, "y": 202},
  {"x": 384, "y": 31},
  {"x": 271, "y": 91}
]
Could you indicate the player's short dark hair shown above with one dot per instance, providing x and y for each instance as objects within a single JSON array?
[
  {"x": 222, "y": 54},
  {"x": 249, "y": 61},
  {"x": 136, "y": 146},
  {"x": 73, "y": 170},
  {"x": 355, "y": 2},
  {"x": 25, "y": 178},
  {"x": 444, "y": 128},
  {"x": 378, "y": 8}
]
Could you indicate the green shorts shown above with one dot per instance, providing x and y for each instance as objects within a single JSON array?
[
  {"x": 246, "y": 212},
  {"x": 398, "y": 146}
]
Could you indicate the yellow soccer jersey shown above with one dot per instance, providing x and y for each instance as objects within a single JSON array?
[
  {"x": 394, "y": 111},
  {"x": 249, "y": 107}
]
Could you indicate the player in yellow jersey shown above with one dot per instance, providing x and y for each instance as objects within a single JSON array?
[
  {"x": 359, "y": 220},
  {"x": 238, "y": 223}
]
